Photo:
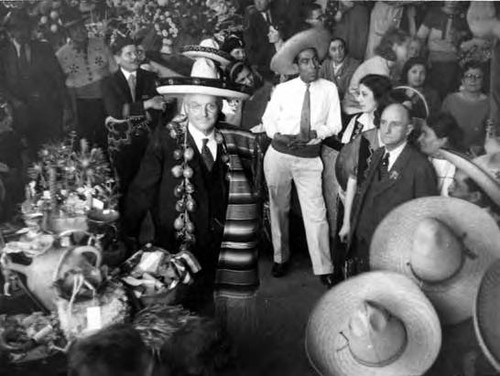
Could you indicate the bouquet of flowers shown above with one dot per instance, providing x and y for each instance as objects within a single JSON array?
[{"x": 67, "y": 182}]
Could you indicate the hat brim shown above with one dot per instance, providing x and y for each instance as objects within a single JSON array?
[
  {"x": 206, "y": 86},
  {"x": 476, "y": 173},
  {"x": 486, "y": 310},
  {"x": 391, "y": 249},
  {"x": 196, "y": 52},
  {"x": 317, "y": 38},
  {"x": 326, "y": 347}
]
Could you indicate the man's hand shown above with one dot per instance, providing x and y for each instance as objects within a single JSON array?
[{"x": 155, "y": 103}]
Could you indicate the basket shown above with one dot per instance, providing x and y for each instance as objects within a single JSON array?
[{"x": 73, "y": 313}]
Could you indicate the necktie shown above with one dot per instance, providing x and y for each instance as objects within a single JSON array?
[
  {"x": 207, "y": 156},
  {"x": 384, "y": 167},
  {"x": 131, "y": 85},
  {"x": 305, "y": 116},
  {"x": 23, "y": 59}
]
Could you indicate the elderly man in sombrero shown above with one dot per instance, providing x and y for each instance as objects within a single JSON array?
[
  {"x": 301, "y": 114},
  {"x": 195, "y": 181}
]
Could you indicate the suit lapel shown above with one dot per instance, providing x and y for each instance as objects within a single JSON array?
[
  {"x": 396, "y": 171},
  {"x": 123, "y": 84},
  {"x": 139, "y": 85}
]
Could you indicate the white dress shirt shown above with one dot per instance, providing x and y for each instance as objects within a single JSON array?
[
  {"x": 394, "y": 155},
  {"x": 198, "y": 137},
  {"x": 127, "y": 74},
  {"x": 283, "y": 111}
]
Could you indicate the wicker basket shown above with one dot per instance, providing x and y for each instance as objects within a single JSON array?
[{"x": 111, "y": 298}]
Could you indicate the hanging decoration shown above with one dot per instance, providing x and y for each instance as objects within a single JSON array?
[{"x": 184, "y": 191}]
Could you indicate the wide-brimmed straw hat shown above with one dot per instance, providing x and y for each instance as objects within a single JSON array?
[
  {"x": 484, "y": 171},
  {"x": 375, "y": 324},
  {"x": 444, "y": 244},
  {"x": 317, "y": 38},
  {"x": 196, "y": 52},
  {"x": 203, "y": 80},
  {"x": 486, "y": 311}
]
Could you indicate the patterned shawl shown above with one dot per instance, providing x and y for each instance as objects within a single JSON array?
[{"x": 237, "y": 276}]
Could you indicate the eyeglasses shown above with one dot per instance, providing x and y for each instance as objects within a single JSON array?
[
  {"x": 209, "y": 107},
  {"x": 471, "y": 76}
]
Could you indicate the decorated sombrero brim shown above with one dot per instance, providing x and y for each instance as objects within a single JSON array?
[
  {"x": 317, "y": 38},
  {"x": 327, "y": 348},
  {"x": 486, "y": 323},
  {"x": 482, "y": 178},
  {"x": 206, "y": 86},
  {"x": 196, "y": 52},
  {"x": 392, "y": 245}
]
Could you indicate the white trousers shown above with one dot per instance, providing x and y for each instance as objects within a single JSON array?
[{"x": 280, "y": 170}]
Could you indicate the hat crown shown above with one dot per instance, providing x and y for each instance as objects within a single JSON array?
[
  {"x": 204, "y": 68},
  {"x": 490, "y": 163},
  {"x": 376, "y": 338},
  {"x": 437, "y": 253}
]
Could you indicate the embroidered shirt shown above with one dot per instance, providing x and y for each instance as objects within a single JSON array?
[
  {"x": 356, "y": 126},
  {"x": 283, "y": 111},
  {"x": 85, "y": 69}
]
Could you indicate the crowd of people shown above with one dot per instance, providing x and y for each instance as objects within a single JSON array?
[{"x": 340, "y": 110}]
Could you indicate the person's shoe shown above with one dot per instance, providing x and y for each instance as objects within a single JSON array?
[
  {"x": 327, "y": 280},
  {"x": 279, "y": 270}
]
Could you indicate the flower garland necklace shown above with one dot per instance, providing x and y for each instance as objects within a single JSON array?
[{"x": 184, "y": 190}]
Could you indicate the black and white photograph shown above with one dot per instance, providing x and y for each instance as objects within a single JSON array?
[{"x": 249, "y": 188}]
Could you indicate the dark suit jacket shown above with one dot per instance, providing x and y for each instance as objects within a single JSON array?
[
  {"x": 153, "y": 189},
  {"x": 38, "y": 93},
  {"x": 259, "y": 50},
  {"x": 118, "y": 100},
  {"x": 411, "y": 176},
  {"x": 43, "y": 81}
]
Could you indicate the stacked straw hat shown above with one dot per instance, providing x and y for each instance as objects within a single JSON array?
[
  {"x": 444, "y": 244},
  {"x": 375, "y": 324},
  {"x": 486, "y": 309}
]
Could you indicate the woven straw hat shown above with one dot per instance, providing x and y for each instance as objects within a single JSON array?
[
  {"x": 375, "y": 324},
  {"x": 317, "y": 38},
  {"x": 203, "y": 80},
  {"x": 484, "y": 171},
  {"x": 444, "y": 244},
  {"x": 196, "y": 52},
  {"x": 486, "y": 315}
]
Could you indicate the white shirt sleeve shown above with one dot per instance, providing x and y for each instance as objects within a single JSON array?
[
  {"x": 271, "y": 115},
  {"x": 333, "y": 120}
]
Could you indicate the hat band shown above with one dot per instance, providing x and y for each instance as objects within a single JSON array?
[
  {"x": 378, "y": 364},
  {"x": 442, "y": 281}
]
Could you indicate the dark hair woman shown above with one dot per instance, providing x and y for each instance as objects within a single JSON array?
[
  {"x": 390, "y": 54},
  {"x": 414, "y": 75},
  {"x": 441, "y": 131}
]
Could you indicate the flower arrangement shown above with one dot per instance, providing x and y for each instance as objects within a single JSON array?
[
  {"x": 175, "y": 21},
  {"x": 70, "y": 182}
]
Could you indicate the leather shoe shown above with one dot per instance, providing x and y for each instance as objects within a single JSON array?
[
  {"x": 327, "y": 280},
  {"x": 279, "y": 270}
]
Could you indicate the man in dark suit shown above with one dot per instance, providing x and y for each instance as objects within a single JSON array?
[
  {"x": 398, "y": 173},
  {"x": 133, "y": 109},
  {"x": 258, "y": 18},
  {"x": 33, "y": 83}
]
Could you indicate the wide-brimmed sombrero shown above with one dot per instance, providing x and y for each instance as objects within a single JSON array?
[
  {"x": 317, "y": 38},
  {"x": 486, "y": 311},
  {"x": 203, "y": 80},
  {"x": 444, "y": 244},
  {"x": 375, "y": 324},
  {"x": 478, "y": 171},
  {"x": 196, "y": 52}
]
